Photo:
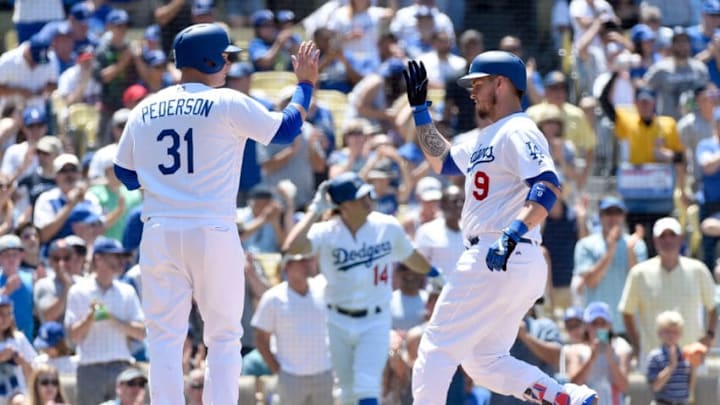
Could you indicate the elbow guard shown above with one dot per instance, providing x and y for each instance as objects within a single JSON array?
[
  {"x": 128, "y": 177},
  {"x": 543, "y": 195}
]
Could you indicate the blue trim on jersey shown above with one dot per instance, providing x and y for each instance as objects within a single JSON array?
[
  {"x": 303, "y": 95},
  {"x": 449, "y": 167},
  {"x": 290, "y": 127},
  {"x": 128, "y": 177},
  {"x": 548, "y": 176},
  {"x": 434, "y": 272},
  {"x": 368, "y": 401},
  {"x": 543, "y": 195}
]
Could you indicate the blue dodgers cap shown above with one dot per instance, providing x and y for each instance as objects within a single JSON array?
[
  {"x": 642, "y": 32},
  {"x": 611, "y": 202},
  {"x": 39, "y": 47},
  {"x": 34, "y": 115},
  {"x": 711, "y": 7},
  {"x": 152, "y": 33},
  {"x": 596, "y": 310},
  {"x": 81, "y": 11},
  {"x": 155, "y": 57},
  {"x": 55, "y": 28},
  {"x": 105, "y": 245},
  {"x": 202, "y": 7},
  {"x": 573, "y": 313},
  {"x": 644, "y": 93},
  {"x": 348, "y": 187},
  {"x": 84, "y": 216},
  {"x": 49, "y": 334},
  {"x": 238, "y": 70},
  {"x": 285, "y": 16},
  {"x": 261, "y": 17},
  {"x": 391, "y": 67},
  {"x": 117, "y": 17}
]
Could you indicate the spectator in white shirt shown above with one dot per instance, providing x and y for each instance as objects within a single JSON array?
[
  {"x": 102, "y": 313},
  {"x": 27, "y": 73},
  {"x": 404, "y": 24},
  {"x": 20, "y": 159},
  {"x": 294, "y": 313},
  {"x": 440, "y": 63},
  {"x": 78, "y": 84},
  {"x": 440, "y": 240}
]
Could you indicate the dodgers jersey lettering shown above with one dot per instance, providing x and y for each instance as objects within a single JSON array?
[
  {"x": 172, "y": 141},
  {"x": 359, "y": 269},
  {"x": 495, "y": 193}
]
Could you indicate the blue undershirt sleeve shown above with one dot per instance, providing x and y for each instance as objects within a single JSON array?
[{"x": 128, "y": 177}]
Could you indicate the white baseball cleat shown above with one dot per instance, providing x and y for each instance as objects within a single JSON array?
[{"x": 574, "y": 394}]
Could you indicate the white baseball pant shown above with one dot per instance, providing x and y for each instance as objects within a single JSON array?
[
  {"x": 180, "y": 259},
  {"x": 358, "y": 351},
  {"x": 475, "y": 323}
]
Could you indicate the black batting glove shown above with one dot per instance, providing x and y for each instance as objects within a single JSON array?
[{"x": 417, "y": 82}]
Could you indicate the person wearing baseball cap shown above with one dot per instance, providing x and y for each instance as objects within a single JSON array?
[
  {"x": 71, "y": 84},
  {"x": 289, "y": 313},
  {"x": 669, "y": 277},
  {"x": 20, "y": 293},
  {"x": 269, "y": 48},
  {"x": 356, "y": 249},
  {"x": 43, "y": 179},
  {"x": 702, "y": 34},
  {"x": 129, "y": 387},
  {"x": 34, "y": 126}
]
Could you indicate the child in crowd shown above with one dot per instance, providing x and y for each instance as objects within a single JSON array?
[{"x": 669, "y": 372}]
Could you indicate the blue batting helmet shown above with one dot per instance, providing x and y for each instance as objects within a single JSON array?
[
  {"x": 499, "y": 63},
  {"x": 201, "y": 47}
]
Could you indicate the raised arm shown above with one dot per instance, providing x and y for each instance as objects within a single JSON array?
[{"x": 433, "y": 144}]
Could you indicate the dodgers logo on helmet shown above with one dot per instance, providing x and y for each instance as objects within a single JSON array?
[
  {"x": 498, "y": 63},
  {"x": 201, "y": 46}
]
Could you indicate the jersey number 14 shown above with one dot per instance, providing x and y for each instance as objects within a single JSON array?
[{"x": 174, "y": 151}]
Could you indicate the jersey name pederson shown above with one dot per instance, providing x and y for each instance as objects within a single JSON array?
[{"x": 182, "y": 106}]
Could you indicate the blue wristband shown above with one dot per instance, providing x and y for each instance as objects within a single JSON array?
[
  {"x": 517, "y": 229},
  {"x": 434, "y": 272},
  {"x": 303, "y": 95},
  {"x": 421, "y": 114}
]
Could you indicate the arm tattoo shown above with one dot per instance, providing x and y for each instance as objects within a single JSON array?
[{"x": 431, "y": 141}]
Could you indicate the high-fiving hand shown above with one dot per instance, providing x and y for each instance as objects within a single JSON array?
[{"x": 417, "y": 82}]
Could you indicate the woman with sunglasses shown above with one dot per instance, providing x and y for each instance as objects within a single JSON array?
[{"x": 45, "y": 386}]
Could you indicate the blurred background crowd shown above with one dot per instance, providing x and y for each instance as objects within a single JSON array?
[{"x": 626, "y": 93}]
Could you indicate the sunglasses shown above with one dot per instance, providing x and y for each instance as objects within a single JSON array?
[
  {"x": 57, "y": 259},
  {"x": 49, "y": 381},
  {"x": 136, "y": 383},
  {"x": 36, "y": 125},
  {"x": 69, "y": 170}
]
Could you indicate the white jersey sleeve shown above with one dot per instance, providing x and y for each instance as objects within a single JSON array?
[{"x": 528, "y": 150}]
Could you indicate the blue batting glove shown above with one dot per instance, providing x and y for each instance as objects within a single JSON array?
[
  {"x": 434, "y": 272},
  {"x": 500, "y": 251}
]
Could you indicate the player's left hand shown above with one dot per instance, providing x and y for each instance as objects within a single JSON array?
[
  {"x": 500, "y": 251},
  {"x": 416, "y": 82}
]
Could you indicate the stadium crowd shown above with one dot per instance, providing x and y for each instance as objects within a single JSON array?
[{"x": 631, "y": 114}]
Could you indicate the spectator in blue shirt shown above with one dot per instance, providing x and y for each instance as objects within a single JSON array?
[
  {"x": 669, "y": 373},
  {"x": 270, "y": 49},
  {"x": 17, "y": 283},
  {"x": 707, "y": 156}
]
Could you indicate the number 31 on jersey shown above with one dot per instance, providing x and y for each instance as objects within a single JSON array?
[{"x": 174, "y": 151}]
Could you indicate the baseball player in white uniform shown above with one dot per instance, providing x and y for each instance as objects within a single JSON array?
[
  {"x": 356, "y": 252},
  {"x": 184, "y": 147},
  {"x": 510, "y": 186}
]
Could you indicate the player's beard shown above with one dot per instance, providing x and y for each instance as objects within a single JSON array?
[{"x": 483, "y": 111}]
